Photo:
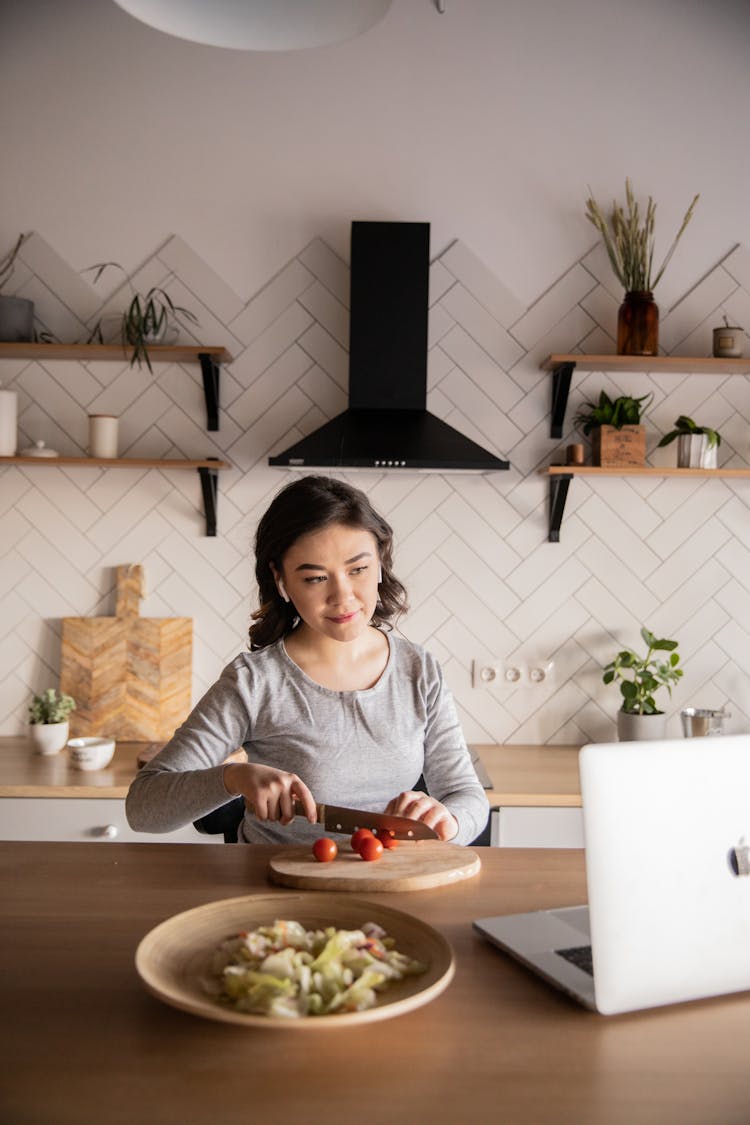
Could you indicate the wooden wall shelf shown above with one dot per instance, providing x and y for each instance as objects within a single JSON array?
[
  {"x": 209, "y": 357},
  {"x": 560, "y": 477},
  {"x": 563, "y": 366},
  {"x": 208, "y": 470},
  {"x": 639, "y": 471}
]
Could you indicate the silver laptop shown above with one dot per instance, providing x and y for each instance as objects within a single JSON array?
[{"x": 667, "y": 836}]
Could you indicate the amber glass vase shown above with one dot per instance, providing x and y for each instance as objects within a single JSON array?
[{"x": 638, "y": 325}]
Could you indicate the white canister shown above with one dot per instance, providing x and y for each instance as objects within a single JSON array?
[
  {"x": 8, "y": 423},
  {"x": 103, "y": 435}
]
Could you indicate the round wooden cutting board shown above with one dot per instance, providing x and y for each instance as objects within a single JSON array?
[{"x": 412, "y": 866}]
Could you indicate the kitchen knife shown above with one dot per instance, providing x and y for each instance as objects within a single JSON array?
[{"x": 339, "y": 819}]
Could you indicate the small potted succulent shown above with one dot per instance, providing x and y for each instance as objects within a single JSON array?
[
  {"x": 639, "y": 678},
  {"x": 614, "y": 426},
  {"x": 150, "y": 318},
  {"x": 16, "y": 313},
  {"x": 48, "y": 719},
  {"x": 697, "y": 446}
]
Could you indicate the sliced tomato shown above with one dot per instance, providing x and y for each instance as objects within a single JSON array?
[
  {"x": 387, "y": 839},
  {"x": 370, "y": 848},
  {"x": 325, "y": 849}
]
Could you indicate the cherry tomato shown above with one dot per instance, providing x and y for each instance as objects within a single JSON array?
[
  {"x": 386, "y": 839},
  {"x": 370, "y": 848},
  {"x": 358, "y": 836},
  {"x": 325, "y": 849}
]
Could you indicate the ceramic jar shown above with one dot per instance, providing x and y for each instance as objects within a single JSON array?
[
  {"x": 8, "y": 422},
  {"x": 728, "y": 342},
  {"x": 103, "y": 435}
]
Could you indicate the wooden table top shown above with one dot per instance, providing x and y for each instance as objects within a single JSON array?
[
  {"x": 84, "y": 1042},
  {"x": 521, "y": 775}
]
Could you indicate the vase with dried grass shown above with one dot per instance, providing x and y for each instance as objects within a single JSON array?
[{"x": 628, "y": 237}]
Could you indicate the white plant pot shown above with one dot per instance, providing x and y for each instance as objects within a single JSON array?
[
  {"x": 694, "y": 452},
  {"x": 49, "y": 738},
  {"x": 641, "y": 728}
]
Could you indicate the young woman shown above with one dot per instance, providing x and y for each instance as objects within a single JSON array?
[{"x": 329, "y": 704}]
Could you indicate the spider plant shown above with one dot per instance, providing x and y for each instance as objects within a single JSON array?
[{"x": 146, "y": 319}]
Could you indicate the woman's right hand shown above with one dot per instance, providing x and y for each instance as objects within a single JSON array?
[{"x": 270, "y": 791}]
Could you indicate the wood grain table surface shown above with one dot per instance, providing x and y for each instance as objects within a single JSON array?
[{"x": 84, "y": 1042}]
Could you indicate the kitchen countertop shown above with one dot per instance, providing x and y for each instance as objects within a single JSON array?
[
  {"x": 86, "y": 1043},
  {"x": 520, "y": 775}
]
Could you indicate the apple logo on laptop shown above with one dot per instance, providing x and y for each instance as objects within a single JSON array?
[{"x": 739, "y": 858}]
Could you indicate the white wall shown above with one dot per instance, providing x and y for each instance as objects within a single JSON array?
[{"x": 491, "y": 121}]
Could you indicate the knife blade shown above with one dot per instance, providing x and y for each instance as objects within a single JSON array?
[{"x": 337, "y": 818}]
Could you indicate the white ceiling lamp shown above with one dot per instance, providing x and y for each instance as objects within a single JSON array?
[{"x": 259, "y": 25}]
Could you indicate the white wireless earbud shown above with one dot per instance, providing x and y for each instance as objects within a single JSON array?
[
  {"x": 282, "y": 591},
  {"x": 380, "y": 573}
]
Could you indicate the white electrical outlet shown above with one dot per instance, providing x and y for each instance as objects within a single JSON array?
[{"x": 510, "y": 674}]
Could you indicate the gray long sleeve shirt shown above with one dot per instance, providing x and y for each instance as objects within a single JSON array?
[{"x": 354, "y": 748}]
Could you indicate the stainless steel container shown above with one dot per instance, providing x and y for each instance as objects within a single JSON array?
[{"x": 700, "y": 721}]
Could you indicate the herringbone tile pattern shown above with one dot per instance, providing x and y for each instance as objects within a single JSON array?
[{"x": 484, "y": 582}]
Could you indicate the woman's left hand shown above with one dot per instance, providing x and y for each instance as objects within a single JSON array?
[{"x": 420, "y": 806}]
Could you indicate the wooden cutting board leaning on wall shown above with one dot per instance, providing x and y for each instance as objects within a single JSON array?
[{"x": 131, "y": 676}]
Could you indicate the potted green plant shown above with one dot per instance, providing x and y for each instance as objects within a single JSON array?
[
  {"x": 150, "y": 318},
  {"x": 639, "y": 678},
  {"x": 48, "y": 719},
  {"x": 697, "y": 446},
  {"x": 16, "y": 313},
  {"x": 614, "y": 426},
  {"x": 629, "y": 241}
]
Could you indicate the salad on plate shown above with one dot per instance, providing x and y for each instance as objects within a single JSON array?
[{"x": 284, "y": 970}]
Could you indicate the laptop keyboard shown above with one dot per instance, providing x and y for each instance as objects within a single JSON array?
[{"x": 580, "y": 956}]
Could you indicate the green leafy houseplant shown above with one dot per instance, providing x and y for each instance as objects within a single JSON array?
[
  {"x": 146, "y": 319},
  {"x": 629, "y": 240},
  {"x": 49, "y": 707},
  {"x": 622, "y": 411},
  {"x": 686, "y": 426},
  {"x": 639, "y": 677}
]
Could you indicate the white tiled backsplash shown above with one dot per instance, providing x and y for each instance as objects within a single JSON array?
[{"x": 484, "y": 583}]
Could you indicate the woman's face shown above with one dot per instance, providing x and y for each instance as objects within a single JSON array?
[{"x": 331, "y": 577}]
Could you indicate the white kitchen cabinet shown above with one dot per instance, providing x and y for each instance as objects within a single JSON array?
[
  {"x": 536, "y": 827},
  {"x": 83, "y": 819}
]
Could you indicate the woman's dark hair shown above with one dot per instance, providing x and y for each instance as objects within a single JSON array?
[{"x": 306, "y": 505}]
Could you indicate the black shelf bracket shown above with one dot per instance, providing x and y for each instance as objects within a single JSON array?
[
  {"x": 209, "y": 488},
  {"x": 561, "y": 377},
  {"x": 558, "y": 494},
  {"x": 210, "y": 368}
]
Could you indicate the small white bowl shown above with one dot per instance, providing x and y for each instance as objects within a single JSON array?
[{"x": 91, "y": 753}]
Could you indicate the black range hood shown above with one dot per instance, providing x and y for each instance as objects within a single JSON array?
[{"x": 387, "y": 425}]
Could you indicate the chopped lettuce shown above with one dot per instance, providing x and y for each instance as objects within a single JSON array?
[{"x": 287, "y": 971}]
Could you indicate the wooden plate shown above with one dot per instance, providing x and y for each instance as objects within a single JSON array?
[{"x": 174, "y": 957}]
